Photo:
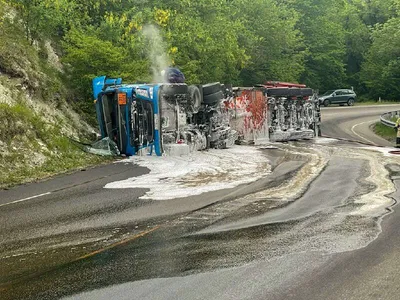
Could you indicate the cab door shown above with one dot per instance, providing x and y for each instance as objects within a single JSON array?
[{"x": 141, "y": 124}]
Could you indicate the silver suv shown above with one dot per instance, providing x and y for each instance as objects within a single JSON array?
[{"x": 342, "y": 96}]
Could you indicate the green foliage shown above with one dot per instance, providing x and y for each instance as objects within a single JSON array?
[
  {"x": 321, "y": 24},
  {"x": 323, "y": 43},
  {"x": 275, "y": 46},
  {"x": 89, "y": 56},
  {"x": 386, "y": 132},
  {"x": 204, "y": 41},
  {"x": 44, "y": 18},
  {"x": 381, "y": 70},
  {"x": 24, "y": 135}
]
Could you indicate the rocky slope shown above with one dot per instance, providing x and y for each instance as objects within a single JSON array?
[{"x": 36, "y": 118}]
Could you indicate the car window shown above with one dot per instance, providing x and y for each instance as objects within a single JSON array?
[{"x": 338, "y": 93}]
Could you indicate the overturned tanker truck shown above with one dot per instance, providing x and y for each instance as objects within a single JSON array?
[{"x": 177, "y": 119}]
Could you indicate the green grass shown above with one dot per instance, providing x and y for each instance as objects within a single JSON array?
[
  {"x": 24, "y": 137},
  {"x": 385, "y": 132},
  {"x": 31, "y": 147},
  {"x": 376, "y": 103}
]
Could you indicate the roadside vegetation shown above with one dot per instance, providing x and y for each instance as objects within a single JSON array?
[
  {"x": 323, "y": 43},
  {"x": 37, "y": 119},
  {"x": 386, "y": 132},
  {"x": 370, "y": 102},
  {"x": 32, "y": 149},
  {"x": 50, "y": 50}
]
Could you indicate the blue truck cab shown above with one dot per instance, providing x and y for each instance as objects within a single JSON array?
[
  {"x": 169, "y": 118},
  {"x": 129, "y": 115}
]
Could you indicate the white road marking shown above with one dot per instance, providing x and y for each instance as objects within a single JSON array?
[
  {"x": 360, "y": 136},
  {"x": 25, "y": 199}
]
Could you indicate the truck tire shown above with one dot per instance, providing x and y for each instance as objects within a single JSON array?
[
  {"x": 211, "y": 88},
  {"x": 213, "y": 98},
  {"x": 294, "y": 92},
  {"x": 195, "y": 97},
  {"x": 279, "y": 92},
  {"x": 306, "y": 92},
  {"x": 174, "y": 89}
]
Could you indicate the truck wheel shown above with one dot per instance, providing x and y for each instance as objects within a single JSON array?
[
  {"x": 350, "y": 102},
  {"x": 295, "y": 92},
  {"x": 195, "y": 97},
  {"x": 174, "y": 89},
  {"x": 211, "y": 88},
  {"x": 306, "y": 92},
  {"x": 279, "y": 92},
  {"x": 213, "y": 98},
  {"x": 326, "y": 102}
]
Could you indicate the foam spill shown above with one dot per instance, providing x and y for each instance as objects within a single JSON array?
[
  {"x": 324, "y": 141},
  {"x": 384, "y": 150},
  {"x": 177, "y": 177},
  {"x": 376, "y": 203},
  {"x": 295, "y": 186}
]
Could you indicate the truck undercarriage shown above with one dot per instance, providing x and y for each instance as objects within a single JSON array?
[{"x": 176, "y": 119}]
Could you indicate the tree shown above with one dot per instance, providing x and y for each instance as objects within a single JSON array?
[
  {"x": 381, "y": 69},
  {"x": 44, "y": 18},
  {"x": 88, "y": 56},
  {"x": 358, "y": 41},
  {"x": 272, "y": 41}
]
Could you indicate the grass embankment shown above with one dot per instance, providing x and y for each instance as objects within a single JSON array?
[
  {"x": 32, "y": 149},
  {"x": 388, "y": 133},
  {"x": 365, "y": 103},
  {"x": 385, "y": 132},
  {"x": 35, "y": 116}
]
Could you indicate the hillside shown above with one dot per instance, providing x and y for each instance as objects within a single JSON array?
[
  {"x": 50, "y": 51},
  {"x": 35, "y": 112}
]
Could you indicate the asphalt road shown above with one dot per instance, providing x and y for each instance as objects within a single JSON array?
[
  {"x": 70, "y": 237},
  {"x": 354, "y": 122}
]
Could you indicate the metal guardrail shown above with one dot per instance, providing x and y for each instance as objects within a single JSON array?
[{"x": 386, "y": 118}]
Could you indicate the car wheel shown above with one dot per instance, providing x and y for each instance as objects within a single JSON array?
[
  {"x": 350, "y": 102},
  {"x": 326, "y": 102}
]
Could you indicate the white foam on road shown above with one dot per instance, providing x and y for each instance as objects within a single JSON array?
[
  {"x": 324, "y": 140},
  {"x": 377, "y": 202},
  {"x": 384, "y": 150},
  {"x": 176, "y": 177}
]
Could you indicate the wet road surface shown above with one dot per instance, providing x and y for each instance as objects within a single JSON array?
[
  {"x": 300, "y": 233},
  {"x": 354, "y": 122}
]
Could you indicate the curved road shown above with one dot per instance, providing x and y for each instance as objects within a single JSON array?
[
  {"x": 69, "y": 237},
  {"x": 354, "y": 122}
]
